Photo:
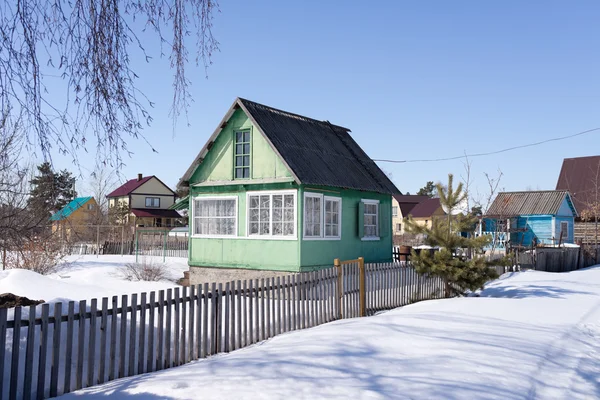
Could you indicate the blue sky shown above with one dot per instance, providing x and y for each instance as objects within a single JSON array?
[{"x": 411, "y": 79}]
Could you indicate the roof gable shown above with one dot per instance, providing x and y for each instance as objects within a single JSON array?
[
  {"x": 541, "y": 202},
  {"x": 315, "y": 152},
  {"x": 426, "y": 208},
  {"x": 70, "y": 208},
  {"x": 132, "y": 184},
  {"x": 581, "y": 177}
]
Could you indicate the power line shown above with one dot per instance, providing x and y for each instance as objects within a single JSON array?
[{"x": 492, "y": 152}]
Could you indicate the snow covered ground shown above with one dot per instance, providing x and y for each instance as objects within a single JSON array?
[
  {"x": 87, "y": 277},
  {"x": 531, "y": 335}
]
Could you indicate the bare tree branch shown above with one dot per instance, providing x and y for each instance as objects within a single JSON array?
[{"x": 88, "y": 45}]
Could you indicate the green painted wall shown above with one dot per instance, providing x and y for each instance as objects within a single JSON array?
[
  {"x": 317, "y": 253},
  {"x": 242, "y": 252},
  {"x": 218, "y": 162},
  {"x": 293, "y": 255}
]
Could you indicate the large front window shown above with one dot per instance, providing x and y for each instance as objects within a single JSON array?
[
  {"x": 215, "y": 216},
  {"x": 242, "y": 155},
  {"x": 272, "y": 214},
  {"x": 322, "y": 216}
]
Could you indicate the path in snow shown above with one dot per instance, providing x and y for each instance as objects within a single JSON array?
[{"x": 529, "y": 335}]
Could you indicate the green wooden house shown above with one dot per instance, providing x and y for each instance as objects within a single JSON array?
[{"x": 278, "y": 191}]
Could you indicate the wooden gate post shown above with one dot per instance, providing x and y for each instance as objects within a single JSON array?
[
  {"x": 362, "y": 292},
  {"x": 338, "y": 265}
]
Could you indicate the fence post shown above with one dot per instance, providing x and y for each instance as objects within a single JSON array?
[
  {"x": 97, "y": 241},
  {"x": 122, "y": 239},
  {"x": 338, "y": 265},
  {"x": 361, "y": 287},
  {"x": 165, "y": 248}
]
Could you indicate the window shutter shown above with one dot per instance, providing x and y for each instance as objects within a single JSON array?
[
  {"x": 384, "y": 220},
  {"x": 360, "y": 219}
]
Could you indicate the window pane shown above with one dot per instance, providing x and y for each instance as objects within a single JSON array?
[
  {"x": 246, "y": 162},
  {"x": 239, "y": 173},
  {"x": 264, "y": 228},
  {"x": 288, "y": 215},
  {"x": 254, "y": 201},
  {"x": 239, "y": 136},
  {"x": 289, "y": 200},
  {"x": 253, "y": 215},
  {"x": 328, "y": 230},
  {"x": 277, "y": 228},
  {"x": 239, "y": 149},
  {"x": 246, "y": 173},
  {"x": 288, "y": 229},
  {"x": 265, "y": 201},
  {"x": 247, "y": 148},
  {"x": 247, "y": 136},
  {"x": 253, "y": 228},
  {"x": 239, "y": 161}
]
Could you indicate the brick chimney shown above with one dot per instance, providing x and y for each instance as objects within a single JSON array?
[{"x": 139, "y": 177}]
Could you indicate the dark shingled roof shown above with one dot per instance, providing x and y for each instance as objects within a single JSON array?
[
  {"x": 318, "y": 152},
  {"x": 425, "y": 209},
  {"x": 129, "y": 187},
  {"x": 408, "y": 201},
  {"x": 581, "y": 177},
  {"x": 541, "y": 202}
]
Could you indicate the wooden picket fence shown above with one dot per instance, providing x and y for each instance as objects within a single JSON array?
[{"x": 49, "y": 350}]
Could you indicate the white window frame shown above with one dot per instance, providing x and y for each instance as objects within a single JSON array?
[
  {"x": 271, "y": 236},
  {"x": 394, "y": 211},
  {"x": 378, "y": 228},
  {"x": 235, "y": 228},
  {"x": 322, "y": 235}
]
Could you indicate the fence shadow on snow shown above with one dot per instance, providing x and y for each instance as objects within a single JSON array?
[{"x": 52, "y": 349}]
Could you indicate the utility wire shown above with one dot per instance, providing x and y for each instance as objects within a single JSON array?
[{"x": 492, "y": 152}]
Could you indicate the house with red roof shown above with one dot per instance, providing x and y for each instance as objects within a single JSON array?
[
  {"x": 422, "y": 209},
  {"x": 145, "y": 201}
]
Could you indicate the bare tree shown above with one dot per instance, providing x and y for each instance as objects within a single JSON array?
[
  {"x": 466, "y": 179},
  {"x": 25, "y": 237},
  {"x": 89, "y": 45},
  {"x": 102, "y": 182}
]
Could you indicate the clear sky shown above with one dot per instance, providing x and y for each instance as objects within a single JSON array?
[{"x": 411, "y": 79}]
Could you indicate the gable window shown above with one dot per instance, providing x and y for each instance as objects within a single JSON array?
[
  {"x": 242, "y": 155},
  {"x": 153, "y": 202},
  {"x": 394, "y": 211},
  {"x": 370, "y": 219},
  {"x": 272, "y": 214},
  {"x": 564, "y": 230},
  {"x": 322, "y": 216},
  {"x": 398, "y": 227},
  {"x": 215, "y": 216},
  {"x": 90, "y": 206}
]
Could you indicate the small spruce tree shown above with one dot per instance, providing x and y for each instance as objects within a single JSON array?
[{"x": 450, "y": 234}]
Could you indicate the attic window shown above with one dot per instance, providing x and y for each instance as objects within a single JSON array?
[{"x": 242, "y": 155}]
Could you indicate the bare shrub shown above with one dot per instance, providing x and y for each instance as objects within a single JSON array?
[
  {"x": 145, "y": 270},
  {"x": 42, "y": 256}
]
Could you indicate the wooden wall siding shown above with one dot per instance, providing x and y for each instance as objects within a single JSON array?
[
  {"x": 54, "y": 349},
  {"x": 564, "y": 259},
  {"x": 586, "y": 232}
]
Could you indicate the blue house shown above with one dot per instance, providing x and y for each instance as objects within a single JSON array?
[{"x": 528, "y": 218}]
